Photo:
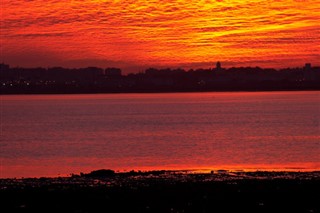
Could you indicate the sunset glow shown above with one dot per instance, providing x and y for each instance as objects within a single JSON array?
[{"x": 136, "y": 34}]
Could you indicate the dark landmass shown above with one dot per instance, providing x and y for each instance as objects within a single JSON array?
[
  {"x": 165, "y": 191},
  {"x": 58, "y": 80}
]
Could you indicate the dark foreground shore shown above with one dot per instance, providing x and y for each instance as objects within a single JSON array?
[{"x": 165, "y": 191}]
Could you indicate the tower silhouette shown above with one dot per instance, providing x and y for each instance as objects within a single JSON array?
[{"x": 218, "y": 66}]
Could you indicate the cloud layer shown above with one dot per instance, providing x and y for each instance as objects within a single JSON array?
[{"x": 160, "y": 33}]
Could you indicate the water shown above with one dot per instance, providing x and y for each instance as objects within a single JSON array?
[{"x": 51, "y": 135}]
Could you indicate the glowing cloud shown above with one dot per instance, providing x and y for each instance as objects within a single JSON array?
[{"x": 160, "y": 33}]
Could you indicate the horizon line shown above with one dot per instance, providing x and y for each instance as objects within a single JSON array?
[{"x": 8, "y": 66}]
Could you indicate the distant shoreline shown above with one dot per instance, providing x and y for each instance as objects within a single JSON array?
[
  {"x": 146, "y": 91},
  {"x": 58, "y": 80}
]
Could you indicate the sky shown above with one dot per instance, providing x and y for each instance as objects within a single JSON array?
[{"x": 137, "y": 34}]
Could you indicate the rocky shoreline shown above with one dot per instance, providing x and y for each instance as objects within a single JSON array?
[{"x": 165, "y": 191}]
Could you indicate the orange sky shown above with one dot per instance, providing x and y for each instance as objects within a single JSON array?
[{"x": 135, "y": 34}]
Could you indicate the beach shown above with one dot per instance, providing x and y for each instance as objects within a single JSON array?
[{"x": 165, "y": 191}]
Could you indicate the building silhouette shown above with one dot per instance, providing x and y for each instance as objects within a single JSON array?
[
  {"x": 218, "y": 66},
  {"x": 307, "y": 66},
  {"x": 113, "y": 72},
  {"x": 16, "y": 80}
]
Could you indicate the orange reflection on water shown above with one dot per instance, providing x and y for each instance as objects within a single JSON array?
[
  {"x": 55, "y": 168},
  {"x": 51, "y": 135}
]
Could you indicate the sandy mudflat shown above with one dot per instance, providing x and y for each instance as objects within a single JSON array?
[{"x": 165, "y": 191}]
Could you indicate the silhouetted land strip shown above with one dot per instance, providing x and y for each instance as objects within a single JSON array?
[
  {"x": 60, "y": 80},
  {"x": 165, "y": 191}
]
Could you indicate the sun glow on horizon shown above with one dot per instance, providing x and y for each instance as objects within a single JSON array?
[{"x": 131, "y": 34}]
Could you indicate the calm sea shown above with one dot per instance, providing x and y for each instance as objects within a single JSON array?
[{"x": 52, "y": 135}]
